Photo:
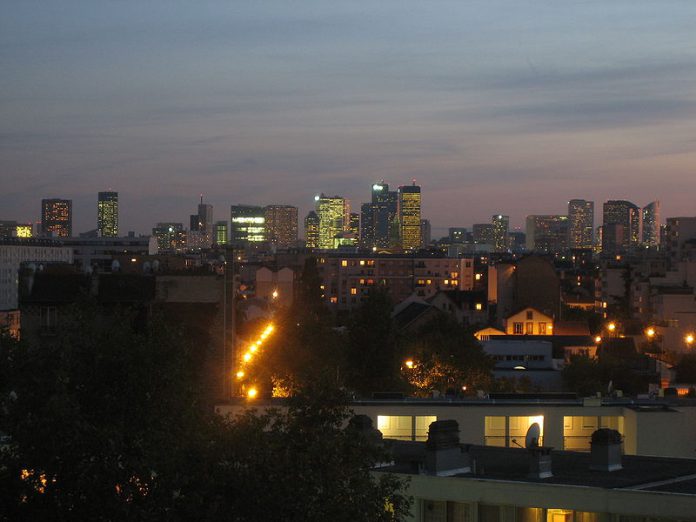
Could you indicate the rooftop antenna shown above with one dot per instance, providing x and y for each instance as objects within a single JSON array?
[{"x": 201, "y": 199}]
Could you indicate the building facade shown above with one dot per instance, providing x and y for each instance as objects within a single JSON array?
[
  {"x": 56, "y": 217},
  {"x": 311, "y": 226},
  {"x": 621, "y": 227},
  {"x": 651, "y": 224},
  {"x": 334, "y": 219},
  {"x": 410, "y": 216},
  {"x": 581, "y": 223},
  {"x": 107, "y": 214},
  {"x": 547, "y": 234},
  {"x": 281, "y": 225},
  {"x": 248, "y": 225},
  {"x": 501, "y": 227}
]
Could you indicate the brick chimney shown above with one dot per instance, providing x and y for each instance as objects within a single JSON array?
[{"x": 444, "y": 455}]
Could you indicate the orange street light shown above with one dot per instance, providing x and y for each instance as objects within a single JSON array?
[
  {"x": 689, "y": 338},
  {"x": 240, "y": 374},
  {"x": 598, "y": 339},
  {"x": 409, "y": 364},
  {"x": 650, "y": 332},
  {"x": 611, "y": 327},
  {"x": 252, "y": 393},
  {"x": 247, "y": 357},
  {"x": 275, "y": 294}
]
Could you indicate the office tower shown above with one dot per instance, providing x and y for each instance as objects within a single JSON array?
[
  {"x": 680, "y": 239},
  {"x": 281, "y": 225},
  {"x": 426, "y": 233},
  {"x": 171, "y": 237},
  {"x": 354, "y": 225},
  {"x": 311, "y": 226},
  {"x": 581, "y": 223},
  {"x": 457, "y": 235},
  {"x": 385, "y": 204},
  {"x": 248, "y": 224},
  {"x": 621, "y": 227},
  {"x": 201, "y": 228},
  {"x": 14, "y": 229},
  {"x": 651, "y": 224},
  {"x": 367, "y": 225},
  {"x": 334, "y": 218},
  {"x": 56, "y": 217},
  {"x": 501, "y": 227},
  {"x": 517, "y": 241},
  {"x": 410, "y": 216},
  {"x": 483, "y": 233},
  {"x": 107, "y": 214},
  {"x": 221, "y": 233},
  {"x": 547, "y": 233}
]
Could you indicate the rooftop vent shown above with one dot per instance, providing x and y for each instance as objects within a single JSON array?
[
  {"x": 606, "y": 450},
  {"x": 444, "y": 455}
]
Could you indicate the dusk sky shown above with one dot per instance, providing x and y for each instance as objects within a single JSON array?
[{"x": 493, "y": 106}]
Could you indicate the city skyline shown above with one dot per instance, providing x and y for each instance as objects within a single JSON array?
[{"x": 267, "y": 104}]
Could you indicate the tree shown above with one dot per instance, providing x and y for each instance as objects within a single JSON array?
[
  {"x": 447, "y": 357},
  {"x": 107, "y": 423},
  {"x": 372, "y": 353}
]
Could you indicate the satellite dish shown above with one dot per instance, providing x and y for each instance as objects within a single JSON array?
[{"x": 531, "y": 440}]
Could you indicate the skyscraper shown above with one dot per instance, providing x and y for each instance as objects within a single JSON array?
[
  {"x": 621, "y": 227},
  {"x": 107, "y": 214},
  {"x": 426, "y": 234},
  {"x": 311, "y": 226},
  {"x": 501, "y": 227},
  {"x": 482, "y": 233},
  {"x": 547, "y": 233},
  {"x": 651, "y": 224},
  {"x": 56, "y": 217},
  {"x": 248, "y": 224},
  {"x": 410, "y": 216},
  {"x": 367, "y": 225},
  {"x": 221, "y": 233},
  {"x": 354, "y": 225},
  {"x": 581, "y": 223},
  {"x": 334, "y": 218},
  {"x": 170, "y": 237},
  {"x": 281, "y": 225}
]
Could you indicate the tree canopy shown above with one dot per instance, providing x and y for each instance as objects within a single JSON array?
[{"x": 106, "y": 422}]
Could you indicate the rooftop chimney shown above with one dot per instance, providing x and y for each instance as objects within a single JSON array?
[
  {"x": 606, "y": 450},
  {"x": 539, "y": 462},
  {"x": 444, "y": 455}
]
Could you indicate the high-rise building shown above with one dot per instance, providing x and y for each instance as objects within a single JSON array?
[
  {"x": 410, "y": 216},
  {"x": 680, "y": 238},
  {"x": 426, "y": 233},
  {"x": 621, "y": 227},
  {"x": 14, "y": 229},
  {"x": 107, "y": 214},
  {"x": 334, "y": 218},
  {"x": 354, "y": 225},
  {"x": 651, "y": 224},
  {"x": 281, "y": 225},
  {"x": 547, "y": 233},
  {"x": 248, "y": 224},
  {"x": 501, "y": 227},
  {"x": 221, "y": 233},
  {"x": 367, "y": 225},
  {"x": 311, "y": 226},
  {"x": 201, "y": 229},
  {"x": 581, "y": 223},
  {"x": 56, "y": 217},
  {"x": 457, "y": 235},
  {"x": 483, "y": 233},
  {"x": 171, "y": 237}
]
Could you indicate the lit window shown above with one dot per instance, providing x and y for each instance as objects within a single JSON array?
[
  {"x": 362, "y": 262},
  {"x": 446, "y": 281},
  {"x": 517, "y": 328},
  {"x": 353, "y": 291},
  {"x": 479, "y": 306},
  {"x": 542, "y": 328},
  {"x": 344, "y": 263},
  {"x": 334, "y": 299},
  {"x": 478, "y": 277}
]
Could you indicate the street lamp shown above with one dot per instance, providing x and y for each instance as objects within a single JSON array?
[
  {"x": 689, "y": 338},
  {"x": 409, "y": 364},
  {"x": 650, "y": 332},
  {"x": 611, "y": 327}
]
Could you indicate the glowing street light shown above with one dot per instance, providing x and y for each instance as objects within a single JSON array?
[
  {"x": 240, "y": 374},
  {"x": 275, "y": 294},
  {"x": 247, "y": 357},
  {"x": 611, "y": 327},
  {"x": 689, "y": 338},
  {"x": 598, "y": 339},
  {"x": 650, "y": 332},
  {"x": 252, "y": 393},
  {"x": 409, "y": 364}
]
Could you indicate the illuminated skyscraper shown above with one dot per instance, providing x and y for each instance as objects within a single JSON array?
[
  {"x": 651, "y": 224},
  {"x": 410, "y": 216},
  {"x": 547, "y": 234},
  {"x": 501, "y": 227},
  {"x": 354, "y": 224},
  {"x": 201, "y": 227},
  {"x": 56, "y": 217},
  {"x": 171, "y": 237},
  {"x": 248, "y": 224},
  {"x": 311, "y": 225},
  {"x": 107, "y": 214},
  {"x": 621, "y": 227},
  {"x": 281, "y": 225},
  {"x": 367, "y": 225},
  {"x": 334, "y": 218},
  {"x": 221, "y": 233},
  {"x": 581, "y": 223}
]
